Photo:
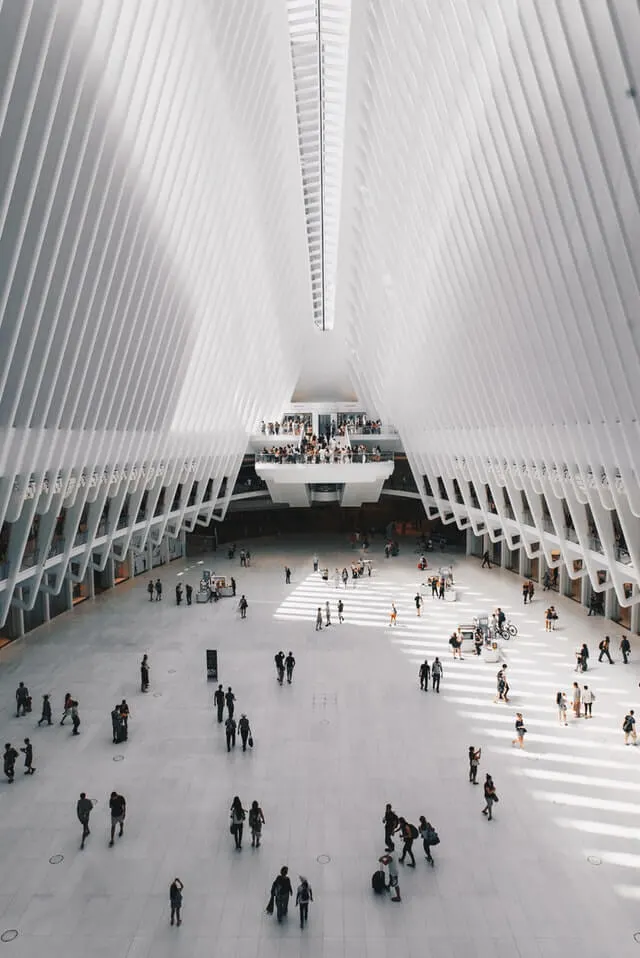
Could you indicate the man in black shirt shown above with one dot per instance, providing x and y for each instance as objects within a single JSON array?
[
  {"x": 118, "y": 807},
  {"x": 218, "y": 698},
  {"x": 390, "y": 822},
  {"x": 230, "y": 731},
  {"x": 290, "y": 664},
  {"x": 22, "y": 699},
  {"x": 83, "y": 810},
  {"x": 279, "y": 660},
  {"x": 230, "y": 699}
]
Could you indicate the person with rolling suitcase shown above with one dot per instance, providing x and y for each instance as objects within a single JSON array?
[{"x": 390, "y": 864}]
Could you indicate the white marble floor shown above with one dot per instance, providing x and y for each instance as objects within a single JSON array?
[{"x": 351, "y": 733}]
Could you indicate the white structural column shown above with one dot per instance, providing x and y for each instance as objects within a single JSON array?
[
  {"x": 490, "y": 268},
  {"x": 153, "y": 273}
]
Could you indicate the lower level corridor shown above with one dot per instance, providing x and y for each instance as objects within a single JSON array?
[{"x": 556, "y": 872}]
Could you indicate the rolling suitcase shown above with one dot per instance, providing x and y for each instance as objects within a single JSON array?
[{"x": 378, "y": 881}]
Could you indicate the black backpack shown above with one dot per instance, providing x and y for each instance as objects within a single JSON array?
[{"x": 414, "y": 831}]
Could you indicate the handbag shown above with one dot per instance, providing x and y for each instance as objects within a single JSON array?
[
  {"x": 495, "y": 798},
  {"x": 269, "y": 908},
  {"x": 232, "y": 828},
  {"x": 251, "y": 741}
]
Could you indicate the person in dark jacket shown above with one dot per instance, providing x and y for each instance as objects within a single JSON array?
[
  {"x": 218, "y": 701},
  {"x": 424, "y": 673},
  {"x": 158, "y": 590},
  {"x": 189, "y": 593},
  {"x": 390, "y": 822},
  {"x": 230, "y": 700},
  {"x": 83, "y": 810},
  {"x": 9, "y": 762},
  {"x": 150, "y": 590},
  {"x": 178, "y": 594},
  {"x": 407, "y": 833},
  {"x": 66, "y": 708},
  {"x": 116, "y": 723},
  {"x": 304, "y": 895},
  {"x": 230, "y": 732},
  {"x": 281, "y": 892},
  {"x": 245, "y": 731},
  {"x": 144, "y": 673},
  {"x": 124, "y": 720},
  {"x": 118, "y": 809},
  {"x": 22, "y": 699},
  {"x": 75, "y": 718},
  {"x": 29, "y": 767},
  {"x": 290, "y": 663},
  {"x": 46, "y": 711},
  {"x": 175, "y": 900}
]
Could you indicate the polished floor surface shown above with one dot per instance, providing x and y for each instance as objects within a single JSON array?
[{"x": 556, "y": 874}]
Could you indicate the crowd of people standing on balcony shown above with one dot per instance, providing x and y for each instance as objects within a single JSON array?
[
  {"x": 302, "y": 425},
  {"x": 322, "y": 449}
]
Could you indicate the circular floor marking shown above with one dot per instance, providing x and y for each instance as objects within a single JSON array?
[
  {"x": 118, "y": 758},
  {"x": 157, "y": 695},
  {"x": 172, "y": 671},
  {"x": 593, "y": 860},
  {"x": 325, "y": 722},
  {"x": 9, "y": 934},
  {"x": 56, "y": 859},
  {"x": 323, "y": 859}
]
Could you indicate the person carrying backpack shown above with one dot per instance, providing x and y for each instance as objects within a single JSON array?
[
  {"x": 256, "y": 821},
  {"x": 625, "y": 648},
  {"x": 409, "y": 834},
  {"x": 629, "y": 728},
  {"x": 243, "y": 606},
  {"x": 429, "y": 837},
  {"x": 304, "y": 895}
]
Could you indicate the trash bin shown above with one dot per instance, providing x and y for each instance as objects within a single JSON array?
[{"x": 212, "y": 664}]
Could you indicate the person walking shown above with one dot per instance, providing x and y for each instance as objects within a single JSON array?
[
  {"x": 290, "y": 664},
  {"x": 490, "y": 797},
  {"x": 486, "y": 561},
  {"x": 175, "y": 900},
  {"x": 230, "y": 732},
  {"x": 75, "y": 718},
  {"x": 548, "y": 619},
  {"x": 189, "y": 593},
  {"x": 525, "y": 592},
  {"x": 531, "y": 591},
  {"x": 233, "y": 587},
  {"x": 118, "y": 809},
  {"x": 245, "y": 731},
  {"x": 424, "y": 673},
  {"x": 287, "y": 575},
  {"x": 256, "y": 821},
  {"x": 434, "y": 586},
  {"x": 230, "y": 699},
  {"x": 625, "y": 648},
  {"x": 585, "y": 657},
  {"x": 340, "y": 611},
  {"x": 84, "y": 807},
  {"x": 604, "y": 649},
  {"x": 442, "y": 585},
  {"x": 474, "y": 761},
  {"x": 390, "y": 822},
  {"x": 389, "y": 862},
  {"x": 158, "y": 590},
  {"x": 22, "y": 699},
  {"x": 46, "y": 711},
  {"x": 520, "y": 731},
  {"x": 218, "y": 701},
  {"x": 238, "y": 816},
  {"x": 393, "y": 618},
  {"x": 408, "y": 834},
  {"x": 281, "y": 892},
  {"x": 150, "y": 590},
  {"x": 436, "y": 674},
  {"x": 429, "y": 837},
  {"x": 345, "y": 577},
  {"x": 561, "y": 702},
  {"x": 178, "y": 594},
  {"x": 327, "y": 613},
  {"x": 629, "y": 728},
  {"x": 29, "y": 767},
  {"x": 576, "y": 701},
  {"x": 9, "y": 762},
  {"x": 279, "y": 660},
  {"x": 316, "y": 562},
  {"x": 243, "y": 606},
  {"x": 304, "y": 895},
  {"x": 319, "y": 620},
  {"x": 418, "y": 602},
  {"x": 144, "y": 673},
  {"x": 588, "y": 698}
]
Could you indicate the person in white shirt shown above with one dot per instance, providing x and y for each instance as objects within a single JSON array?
[
  {"x": 389, "y": 863},
  {"x": 588, "y": 698}
]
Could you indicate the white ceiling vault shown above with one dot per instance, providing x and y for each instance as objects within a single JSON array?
[{"x": 448, "y": 188}]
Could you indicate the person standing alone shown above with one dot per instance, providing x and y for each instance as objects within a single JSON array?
[
  {"x": 340, "y": 611},
  {"x": 84, "y": 808},
  {"x": 474, "y": 761},
  {"x": 243, "y": 605},
  {"x": 319, "y": 620},
  {"x": 629, "y": 728},
  {"x": 486, "y": 562},
  {"x": 175, "y": 900}
]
